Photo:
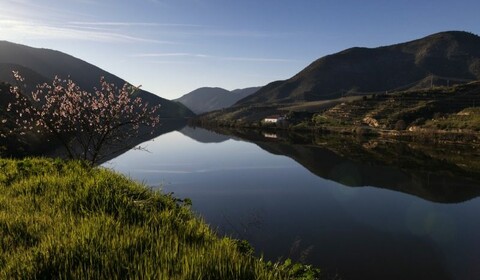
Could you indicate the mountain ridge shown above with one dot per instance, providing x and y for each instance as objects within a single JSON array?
[
  {"x": 48, "y": 63},
  {"x": 206, "y": 99},
  {"x": 408, "y": 65}
]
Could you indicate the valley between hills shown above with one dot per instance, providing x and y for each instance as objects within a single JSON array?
[{"x": 426, "y": 88}]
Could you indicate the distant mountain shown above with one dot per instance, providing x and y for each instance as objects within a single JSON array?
[
  {"x": 208, "y": 99},
  {"x": 447, "y": 57},
  {"x": 39, "y": 65}
]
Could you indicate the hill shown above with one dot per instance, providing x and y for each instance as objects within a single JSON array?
[
  {"x": 439, "y": 59},
  {"x": 439, "y": 109},
  {"x": 33, "y": 78},
  {"x": 208, "y": 99},
  {"x": 39, "y": 64},
  {"x": 439, "y": 114}
]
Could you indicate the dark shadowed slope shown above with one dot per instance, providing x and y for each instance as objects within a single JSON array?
[
  {"x": 33, "y": 78},
  {"x": 447, "y": 57},
  {"x": 48, "y": 63},
  {"x": 208, "y": 99}
]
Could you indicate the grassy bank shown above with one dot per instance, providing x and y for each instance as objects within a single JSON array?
[{"x": 61, "y": 220}]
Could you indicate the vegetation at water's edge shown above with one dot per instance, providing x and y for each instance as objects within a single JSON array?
[
  {"x": 63, "y": 220},
  {"x": 439, "y": 112}
]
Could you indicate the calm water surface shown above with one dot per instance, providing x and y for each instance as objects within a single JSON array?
[{"x": 288, "y": 211}]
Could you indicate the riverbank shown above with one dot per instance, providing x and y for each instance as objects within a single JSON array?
[
  {"x": 64, "y": 220},
  {"x": 416, "y": 134},
  {"x": 438, "y": 114}
]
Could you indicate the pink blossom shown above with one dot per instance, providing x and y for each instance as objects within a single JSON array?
[{"x": 91, "y": 121}]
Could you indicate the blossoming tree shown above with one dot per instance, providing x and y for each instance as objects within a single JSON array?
[{"x": 90, "y": 126}]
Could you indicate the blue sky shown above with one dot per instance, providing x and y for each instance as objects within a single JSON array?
[{"x": 171, "y": 47}]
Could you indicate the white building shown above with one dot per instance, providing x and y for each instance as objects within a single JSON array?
[{"x": 274, "y": 119}]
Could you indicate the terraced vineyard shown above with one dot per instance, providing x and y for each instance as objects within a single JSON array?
[{"x": 441, "y": 108}]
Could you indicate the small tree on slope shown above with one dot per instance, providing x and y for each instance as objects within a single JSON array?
[{"x": 90, "y": 126}]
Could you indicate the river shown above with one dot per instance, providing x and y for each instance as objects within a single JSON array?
[{"x": 359, "y": 211}]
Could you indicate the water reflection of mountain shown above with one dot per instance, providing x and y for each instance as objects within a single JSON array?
[
  {"x": 202, "y": 135},
  {"x": 443, "y": 174},
  {"x": 282, "y": 217},
  {"x": 440, "y": 186}
]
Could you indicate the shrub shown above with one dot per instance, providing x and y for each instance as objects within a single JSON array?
[{"x": 400, "y": 125}]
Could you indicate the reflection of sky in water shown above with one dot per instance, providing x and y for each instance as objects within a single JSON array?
[
  {"x": 284, "y": 210},
  {"x": 164, "y": 151},
  {"x": 174, "y": 154}
]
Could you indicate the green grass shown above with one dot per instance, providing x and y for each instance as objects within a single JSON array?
[
  {"x": 61, "y": 220},
  {"x": 322, "y": 120}
]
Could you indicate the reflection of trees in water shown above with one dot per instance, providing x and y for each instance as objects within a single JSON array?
[
  {"x": 443, "y": 173},
  {"x": 437, "y": 173},
  {"x": 320, "y": 231}
]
